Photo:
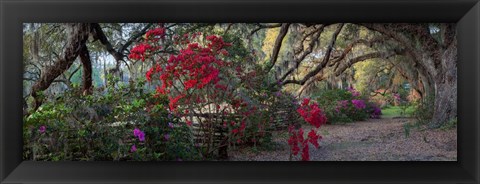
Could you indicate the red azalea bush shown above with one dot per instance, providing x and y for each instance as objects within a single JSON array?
[
  {"x": 216, "y": 96},
  {"x": 202, "y": 86}
]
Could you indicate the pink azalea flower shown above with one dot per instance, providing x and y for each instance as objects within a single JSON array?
[
  {"x": 138, "y": 133},
  {"x": 42, "y": 129},
  {"x": 133, "y": 149}
]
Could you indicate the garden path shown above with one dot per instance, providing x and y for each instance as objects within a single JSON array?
[{"x": 373, "y": 140}]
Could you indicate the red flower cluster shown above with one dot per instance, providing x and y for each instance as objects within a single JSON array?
[
  {"x": 217, "y": 43},
  {"x": 195, "y": 67},
  {"x": 174, "y": 101},
  {"x": 312, "y": 113},
  {"x": 313, "y": 138},
  {"x": 296, "y": 140},
  {"x": 155, "y": 34},
  {"x": 240, "y": 129},
  {"x": 139, "y": 51}
]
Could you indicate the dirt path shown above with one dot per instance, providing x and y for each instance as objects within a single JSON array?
[{"x": 373, "y": 140}]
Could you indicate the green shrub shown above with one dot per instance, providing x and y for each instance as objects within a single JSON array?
[
  {"x": 342, "y": 106},
  {"x": 424, "y": 110},
  {"x": 452, "y": 123},
  {"x": 100, "y": 127}
]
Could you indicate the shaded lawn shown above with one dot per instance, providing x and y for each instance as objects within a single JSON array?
[{"x": 396, "y": 111}]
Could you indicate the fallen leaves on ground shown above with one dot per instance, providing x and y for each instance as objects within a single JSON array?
[{"x": 372, "y": 140}]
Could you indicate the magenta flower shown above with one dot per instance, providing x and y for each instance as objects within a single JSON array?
[
  {"x": 42, "y": 129},
  {"x": 138, "y": 133},
  {"x": 170, "y": 124},
  {"x": 167, "y": 137},
  {"x": 133, "y": 149},
  {"x": 359, "y": 104},
  {"x": 141, "y": 137},
  {"x": 354, "y": 92},
  {"x": 376, "y": 112}
]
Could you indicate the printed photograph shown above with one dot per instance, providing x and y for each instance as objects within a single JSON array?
[{"x": 239, "y": 92}]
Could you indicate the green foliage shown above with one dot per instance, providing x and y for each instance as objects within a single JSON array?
[
  {"x": 452, "y": 123},
  {"x": 328, "y": 100},
  {"x": 96, "y": 77},
  {"x": 403, "y": 101},
  {"x": 100, "y": 127},
  {"x": 423, "y": 109},
  {"x": 409, "y": 127},
  {"x": 406, "y": 129},
  {"x": 371, "y": 74}
]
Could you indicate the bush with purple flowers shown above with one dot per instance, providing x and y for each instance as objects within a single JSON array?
[
  {"x": 374, "y": 111},
  {"x": 359, "y": 104},
  {"x": 346, "y": 105}
]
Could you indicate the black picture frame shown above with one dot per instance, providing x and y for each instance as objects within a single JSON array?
[{"x": 466, "y": 13}]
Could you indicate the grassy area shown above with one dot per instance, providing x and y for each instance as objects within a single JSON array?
[{"x": 396, "y": 111}]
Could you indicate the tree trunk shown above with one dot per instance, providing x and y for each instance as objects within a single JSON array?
[
  {"x": 445, "y": 102},
  {"x": 87, "y": 70},
  {"x": 446, "y": 88},
  {"x": 426, "y": 84}
]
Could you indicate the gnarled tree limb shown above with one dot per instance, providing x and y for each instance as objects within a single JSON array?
[
  {"x": 278, "y": 45},
  {"x": 77, "y": 36},
  {"x": 263, "y": 26},
  {"x": 304, "y": 53},
  {"x": 364, "y": 57},
  {"x": 323, "y": 63}
]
